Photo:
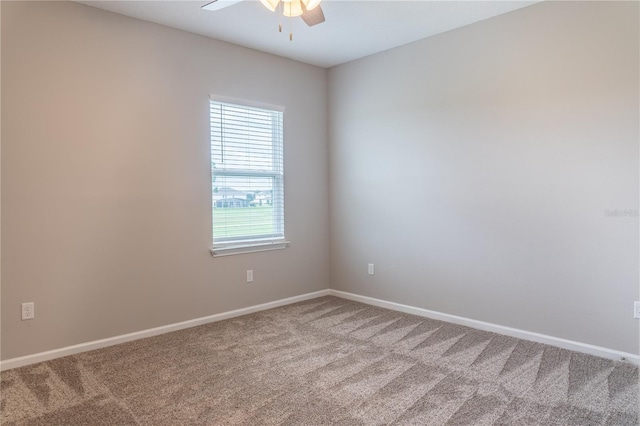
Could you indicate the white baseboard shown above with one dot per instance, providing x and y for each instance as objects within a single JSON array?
[
  {"x": 97, "y": 344},
  {"x": 495, "y": 328},
  {"x": 481, "y": 325}
]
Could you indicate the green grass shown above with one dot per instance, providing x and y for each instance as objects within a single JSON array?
[{"x": 248, "y": 221}]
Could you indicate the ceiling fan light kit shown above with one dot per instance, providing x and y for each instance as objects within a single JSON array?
[
  {"x": 309, "y": 10},
  {"x": 291, "y": 7}
]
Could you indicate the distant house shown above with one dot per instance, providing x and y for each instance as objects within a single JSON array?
[
  {"x": 263, "y": 197},
  {"x": 226, "y": 197},
  {"x": 231, "y": 202}
]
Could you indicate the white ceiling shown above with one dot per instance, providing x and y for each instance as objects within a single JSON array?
[{"x": 353, "y": 29}]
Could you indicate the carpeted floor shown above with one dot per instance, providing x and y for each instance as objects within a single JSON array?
[{"x": 325, "y": 361}]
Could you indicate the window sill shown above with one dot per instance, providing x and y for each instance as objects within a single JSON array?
[{"x": 242, "y": 248}]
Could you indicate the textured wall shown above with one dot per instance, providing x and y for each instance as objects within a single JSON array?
[
  {"x": 475, "y": 169},
  {"x": 105, "y": 176}
]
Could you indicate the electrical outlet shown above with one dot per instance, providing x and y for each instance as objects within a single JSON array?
[
  {"x": 370, "y": 269},
  {"x": 28, "y": 311},
  {"x": 636, "y": 310},
  {"x": 249, "y": 275}
]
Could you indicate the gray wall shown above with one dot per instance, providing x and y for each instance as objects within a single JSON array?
[
  {"x": 106, "y": 176},
  {"x": 474, "y": 169}
]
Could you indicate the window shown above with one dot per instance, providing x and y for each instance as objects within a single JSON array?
[{"x": 247, "y": 177}]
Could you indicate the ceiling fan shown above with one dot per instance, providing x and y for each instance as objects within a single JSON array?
[{"x": 309, "y": 10}]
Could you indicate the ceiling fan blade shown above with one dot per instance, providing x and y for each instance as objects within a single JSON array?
[
  {"x": 219, "y": 4},
  {"x": 312, "y": 17}
]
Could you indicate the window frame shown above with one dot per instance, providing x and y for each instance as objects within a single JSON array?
[{"x": 246, "y": 244}]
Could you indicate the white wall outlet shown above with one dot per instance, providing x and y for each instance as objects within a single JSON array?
[
  {"x": 636, "y": 310},
  {"x": 28, "y": 311},
  {"x": 249, "y": 275},
  {"x": 370, "y": 269}
]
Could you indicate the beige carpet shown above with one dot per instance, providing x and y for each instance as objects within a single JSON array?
[{"x": 326, "y": 361}]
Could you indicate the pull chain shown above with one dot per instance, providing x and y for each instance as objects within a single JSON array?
[{"x": 282, "y": 6}]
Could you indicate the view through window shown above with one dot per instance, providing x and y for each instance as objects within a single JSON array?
[{"x": 247, "y": 173}]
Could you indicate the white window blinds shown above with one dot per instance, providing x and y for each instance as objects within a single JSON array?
[{"x": 247, "y": 173}]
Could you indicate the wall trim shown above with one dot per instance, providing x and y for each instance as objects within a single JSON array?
[
  {"x": 495, "y": 328},
  {"x": 481, "y": 325},
  {"x": 110, "y": 341}
]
